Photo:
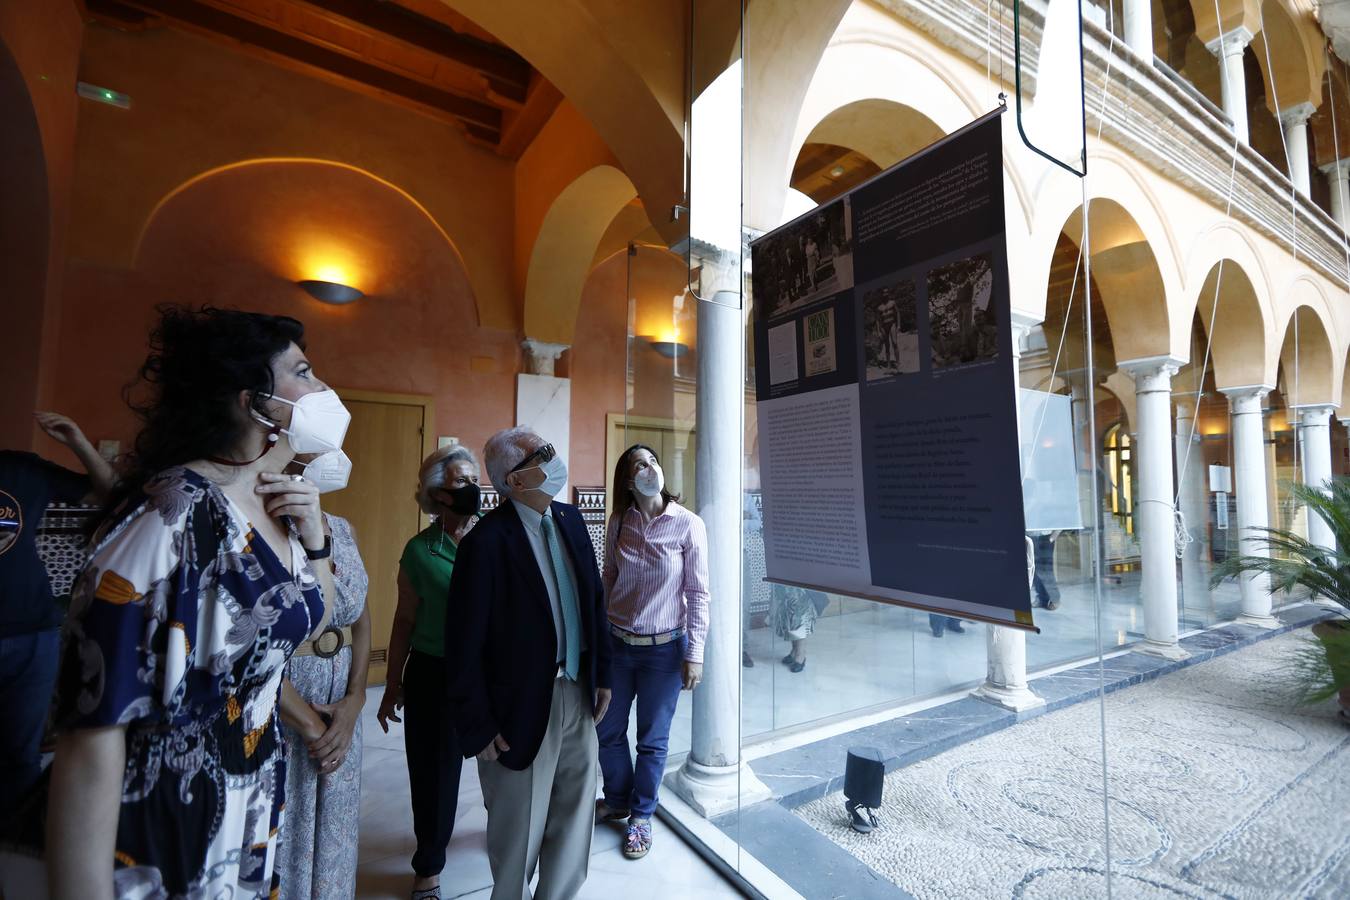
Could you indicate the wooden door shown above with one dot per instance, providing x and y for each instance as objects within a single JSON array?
[
  {"x": 676, "y": 444},
  {"x": 385, "y": 441}
]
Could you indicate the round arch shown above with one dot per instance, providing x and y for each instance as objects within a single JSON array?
[
  {"x": 862, "y": 65},
  {"x": 241, "y": 166},
  {"x": 1126, "y": 222},
  {"x": 1311, "y": 371},
  {"x": 1288, "y": 49},
  {"x": 1229, "y": 287},
  {"x": 565, "y": 249}
]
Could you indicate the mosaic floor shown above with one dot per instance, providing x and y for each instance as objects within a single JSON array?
[{"x": 1219, "y": 787}]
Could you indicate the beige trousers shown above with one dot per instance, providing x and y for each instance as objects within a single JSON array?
[{"x": 545, "y": 815}]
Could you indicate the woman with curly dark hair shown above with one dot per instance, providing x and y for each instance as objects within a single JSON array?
[{"x": 169, "y": 765}]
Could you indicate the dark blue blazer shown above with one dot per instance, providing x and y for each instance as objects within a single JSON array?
[{"x": 501, "y": 648}]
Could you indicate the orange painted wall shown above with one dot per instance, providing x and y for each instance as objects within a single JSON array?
[
  {"x": 596, "y": 365},
  {"x": 197, "y": 106},
  {"x": 233, "y": 239},
  {"x": 598, "y": 360},
  {"x": 43, "y": 44}
]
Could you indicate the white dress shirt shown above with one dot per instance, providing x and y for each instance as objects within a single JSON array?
[{"x": 534, "y": 530}]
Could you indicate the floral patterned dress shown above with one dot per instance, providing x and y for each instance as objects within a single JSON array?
[
  {"x": 180, "y": 627},
  {"x": 318, "y": 844}
]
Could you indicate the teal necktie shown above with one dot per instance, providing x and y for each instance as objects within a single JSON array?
[{"x": 567, "y": 598}]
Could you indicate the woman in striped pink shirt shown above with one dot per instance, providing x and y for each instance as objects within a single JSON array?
[{"x": 656, "y": 591}]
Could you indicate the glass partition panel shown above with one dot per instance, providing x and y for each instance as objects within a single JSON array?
[{"x": 660, "y": 402}]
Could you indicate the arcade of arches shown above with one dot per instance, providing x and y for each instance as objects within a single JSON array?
[{"x": 498, "y": 179}]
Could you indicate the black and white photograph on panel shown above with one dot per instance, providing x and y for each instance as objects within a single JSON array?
[
  {"x": 891, "y": 329},
  {"x": 806, "y": 260},
  {"x": 962, "y": 323}
]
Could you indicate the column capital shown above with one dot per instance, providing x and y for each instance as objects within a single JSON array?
[
  {"x": 1336, "y": 168},
  {"x": 540, "y": 356},
  {"x": 1298, "y": 114},
  {"x": 1246, "y": 398},
  {"x": 1314, "y": 414},
  {"x": 1152, "y": 373},
  {"x": 1230, "y": 43}
]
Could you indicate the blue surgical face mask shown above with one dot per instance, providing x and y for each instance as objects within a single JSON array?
[{"x": 555, "y": 476}]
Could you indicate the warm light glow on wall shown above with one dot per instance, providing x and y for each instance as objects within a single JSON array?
[{"x": 321, "y": 258}]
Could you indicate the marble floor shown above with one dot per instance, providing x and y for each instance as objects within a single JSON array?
[
  {"x": 1219, "y": 786},
  {"x": 671, "y": 870}
]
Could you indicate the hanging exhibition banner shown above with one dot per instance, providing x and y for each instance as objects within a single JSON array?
[{"x": 886, "y": 386}]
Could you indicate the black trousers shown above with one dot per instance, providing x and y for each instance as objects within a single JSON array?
[{"x": 434, "y": 760}]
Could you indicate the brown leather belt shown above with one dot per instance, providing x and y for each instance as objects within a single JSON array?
[{"x": 331, "y": 640}]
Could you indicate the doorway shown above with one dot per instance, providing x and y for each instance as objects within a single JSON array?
[{"x": 389, "y": 436}]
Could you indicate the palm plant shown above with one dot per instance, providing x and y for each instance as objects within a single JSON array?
[{"x": 1292, "y": 561}]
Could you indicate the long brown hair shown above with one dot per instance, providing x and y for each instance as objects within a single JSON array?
[{"x": 623, "y": 495}]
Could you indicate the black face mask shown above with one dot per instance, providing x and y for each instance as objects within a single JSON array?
[{"x": 466, "y": 500}]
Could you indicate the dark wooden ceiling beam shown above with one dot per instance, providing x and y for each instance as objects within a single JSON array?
[
  {"x": 481, "y": 120},
  {"x": 506, "y": 72}
]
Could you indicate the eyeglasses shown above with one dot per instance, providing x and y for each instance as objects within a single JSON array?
[{"x": 543, "y": 454}]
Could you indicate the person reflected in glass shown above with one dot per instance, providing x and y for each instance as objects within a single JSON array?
[
  {"x": 939, "y": 625},
  {"x": 448, "y": 490},
  {"x": 323, "y": 776},
  {"x": 793, "y": 613},
  {"x": 1044, "y": 581},
  {"x": 201, "y": 582},
  {"x": 656, "y": 596}
]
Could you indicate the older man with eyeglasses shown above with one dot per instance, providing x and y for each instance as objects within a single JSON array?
[{"x": 527, "y": 665}]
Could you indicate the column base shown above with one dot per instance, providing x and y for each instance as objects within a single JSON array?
[
  {"x": 1267, "y": 622},
  {"x": 1019, "y": 699},
  {"x": 716, "y": 790},
  {"x": 1171, "y": 651}
]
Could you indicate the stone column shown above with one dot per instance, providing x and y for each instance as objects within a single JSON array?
[
  {"x": 1139, "y": 28},
  {"x": 1315, "y": 434},
  {"x": 1249, "y": 482},
  {"x": 1228, "y": 48},
  {"x": 1154, "y": 510},
  {"x": 1294, "y": 120},
  {"x": 714, "y": 780},
  {"x": 1192, "y": 490},
  {"x": 1081, "y": 387},
  {"x": 1340, "y": 196},
  {"x": 1005, "y": 682}
]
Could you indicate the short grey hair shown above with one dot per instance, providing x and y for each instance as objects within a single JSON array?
[
  {"x": 503, "y": 452},
  {"x": 432, "y": 474}
]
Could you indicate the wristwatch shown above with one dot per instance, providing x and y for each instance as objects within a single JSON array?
[{"x": 323, "y": 552}]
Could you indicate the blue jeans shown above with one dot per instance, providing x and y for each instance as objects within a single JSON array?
[
  {"x": 27, "y": 678},
  {"x": 653, "y": 676}
]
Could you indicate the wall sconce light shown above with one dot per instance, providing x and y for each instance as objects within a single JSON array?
[
  {"x": 670, "y": 349},
  {"x": 330, "y": 291}
]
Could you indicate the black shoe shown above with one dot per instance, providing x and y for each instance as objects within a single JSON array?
[
  {"x": 746, "y": 661},
  {"x": 796, "y": 667},
  {"x": 936, "y": 633},
  {"x": 956, "y": 628},
  {"x": 788, "y": 660}
]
